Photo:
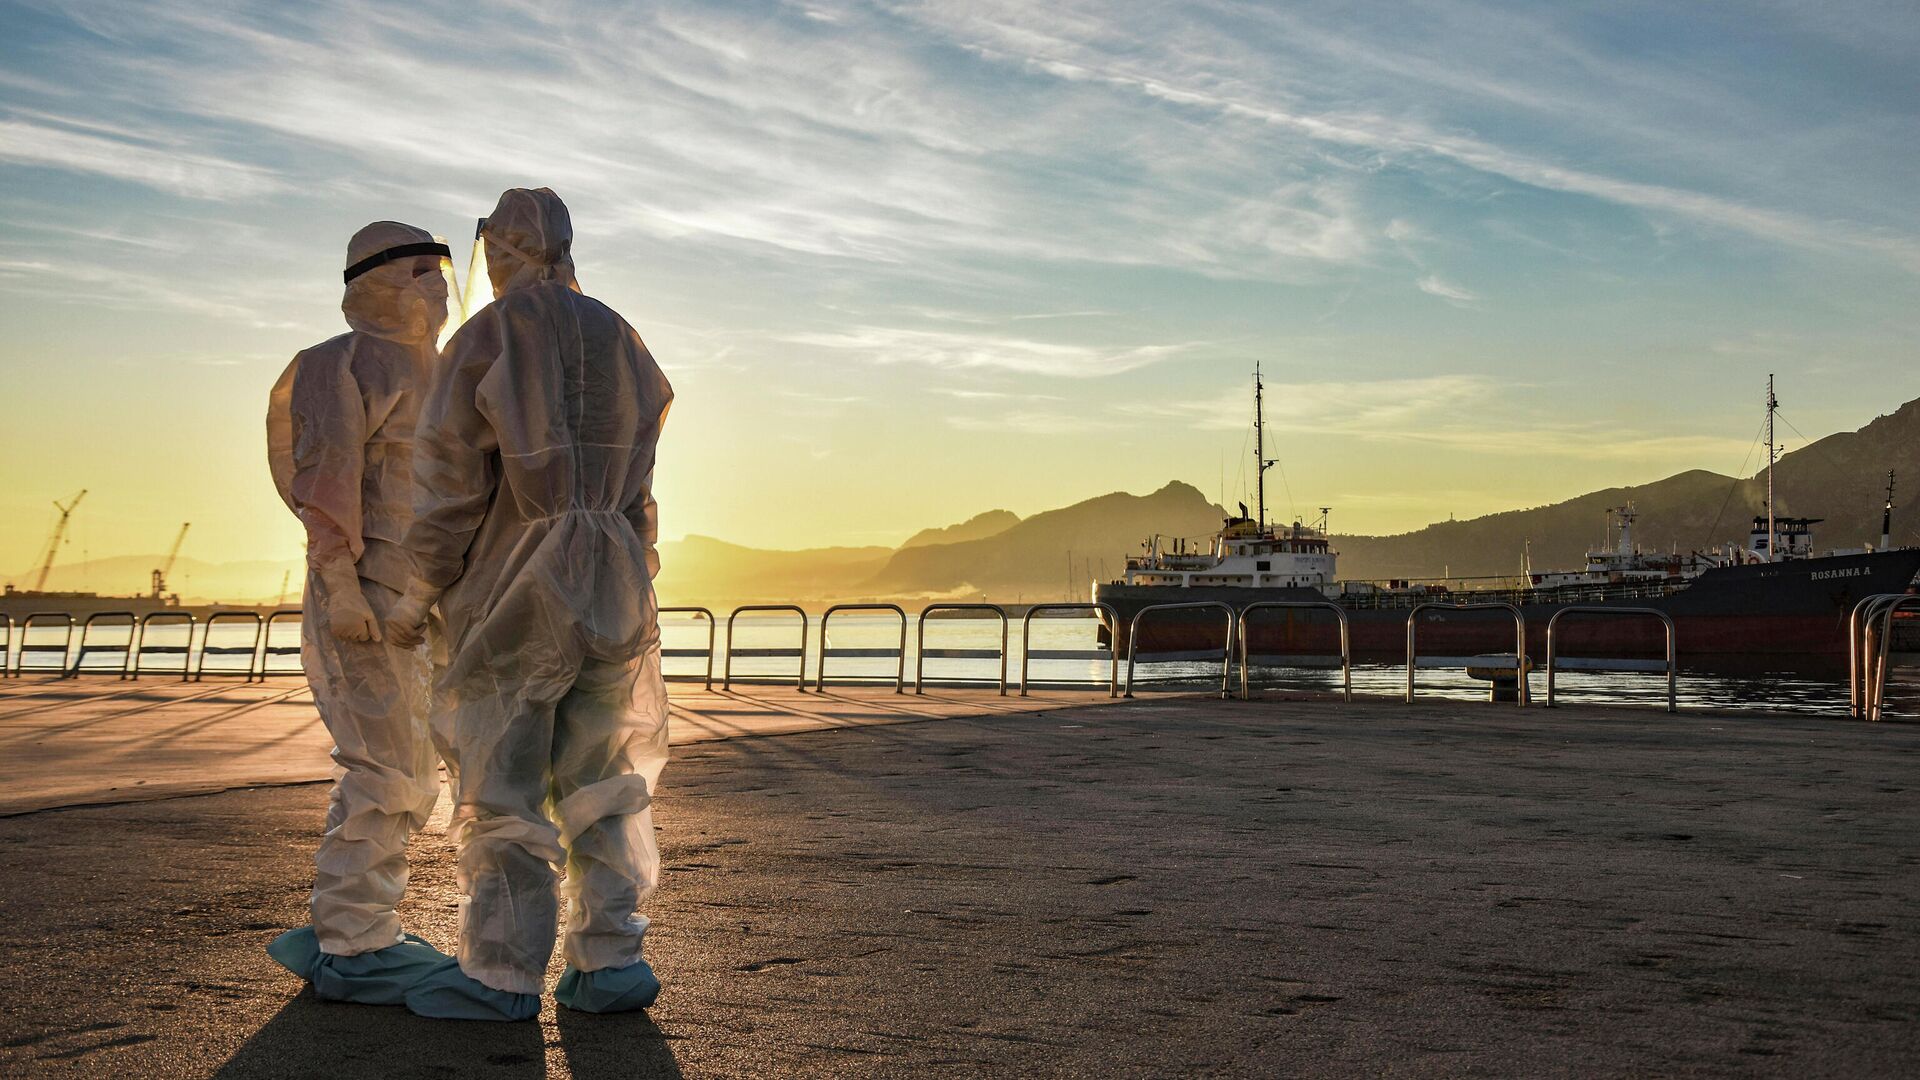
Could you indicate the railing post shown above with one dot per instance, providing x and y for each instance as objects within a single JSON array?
[
  {"x": 707, "y": 652},
  {"x": 800, "y": 679},
  {"x": 899, "y": 655},
  {"x": 1246, "y": 641},
  {"x": 1859, "y": 660},
  {"x": 1666, "y": 621},
  {"x": 1523, "y": 695},
  {"x": 185, "y": 652},
  {"x": 268, "y": 649},
  {"x": 1877, "y": 702},
  {"x": 1111, "y": 654},
  {"x": 252, "y": 651},
  {"x": 86, "y": 646},
  {"x": 26, "y": 646},
  {"x": 920, "y": 645},
  {"x": 1226, "y": 649}
]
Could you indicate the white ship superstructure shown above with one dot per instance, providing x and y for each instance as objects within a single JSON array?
[{"x": 1245, "y": 554}]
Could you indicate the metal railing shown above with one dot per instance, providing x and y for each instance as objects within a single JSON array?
[
  {"x": 6, "y": 647},
  {"x": 706, "y": 653},
  {"x": 1860, "y": 664},
  {"x": 800, "y": 654},
  {"x": 28, "y": 648},
  {"x": 89, "y": 647},
  {"x": 1414, "y": 659},
  {"x": 1111, "y": 654},
  {"x": 1225, "y": 653},
  {"x": 898, "y": 654},
  {"x": 207, "y": 647},
  {"x": 1670, "y": 665},
  {"x": 1248, "y": 659},
  {"x": 268, "y": 650},
  {"x": 1877, "y": 699},
  {"x": 141, "y": 649},
  {"x": 921, "y": 652}
]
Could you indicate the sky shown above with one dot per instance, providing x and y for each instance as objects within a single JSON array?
[{"x": 905, "y": 262}]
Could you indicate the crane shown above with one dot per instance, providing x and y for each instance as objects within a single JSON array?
[
  {"x": 59, "y": 534},
  {"x": 160, "y": 575}
]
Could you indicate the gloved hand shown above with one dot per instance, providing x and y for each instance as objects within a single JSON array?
[
  {"x": 407, "y": 622},
  {"x": 348, "y": 615}
]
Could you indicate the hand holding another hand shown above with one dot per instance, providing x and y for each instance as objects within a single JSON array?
[{"x": 407, "y": 622}]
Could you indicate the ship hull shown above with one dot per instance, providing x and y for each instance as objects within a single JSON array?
[{"x": 1788, "y": 616}]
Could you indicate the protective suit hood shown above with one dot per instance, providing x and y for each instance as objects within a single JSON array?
[
  {"x": 529, "y": 240},
  {"x": 387, "y": 300}
]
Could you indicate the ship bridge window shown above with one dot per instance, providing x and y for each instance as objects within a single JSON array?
[{"x": 1263, "y": 564}]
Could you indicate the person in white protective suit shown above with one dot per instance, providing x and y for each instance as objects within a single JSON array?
[
  {"x": 340, "y": 426},
  {"x": 534, "y": 530}
]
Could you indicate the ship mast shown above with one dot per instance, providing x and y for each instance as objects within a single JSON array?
[
  {"x": 1772, "y": 536},
  {"x": 1260, "y": 462}
]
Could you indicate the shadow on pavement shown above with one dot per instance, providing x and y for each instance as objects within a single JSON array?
[
  {"x": 310, "y": 1037},
  {"x": 625, "y": 1045}
]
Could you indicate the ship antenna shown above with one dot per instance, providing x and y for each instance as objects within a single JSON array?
[
  {"x": 1260, "y": 462},
  {"x": 1773, "y": 403},
  {"x": 1886, "y": 516}
]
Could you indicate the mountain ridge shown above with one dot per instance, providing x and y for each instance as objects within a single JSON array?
[{"x": 1057, "y": 554}]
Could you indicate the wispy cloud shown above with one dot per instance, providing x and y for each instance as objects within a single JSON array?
[
  {"x": 942, "y": 349},
  {"x": 1434, "y": 285},
  {"x": 164, "y": 168},
  {"x": 1469, "y": 413},
  {"x": 1080, "y": 46}
]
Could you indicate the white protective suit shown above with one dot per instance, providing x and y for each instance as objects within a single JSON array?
[
  {"x": 534, "y": 528},
  {"x": 340, "y": 426}
]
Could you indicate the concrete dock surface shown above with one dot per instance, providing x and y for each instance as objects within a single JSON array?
[
  {"x": 1172, "y": 886},
  {"x": 69, "y": 742}
]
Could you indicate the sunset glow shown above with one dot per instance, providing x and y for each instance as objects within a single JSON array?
[{"x": 907, "y": 263}]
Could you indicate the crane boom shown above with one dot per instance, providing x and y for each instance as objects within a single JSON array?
[
  {"x": 59, "y": 534},
  {"x": 160, "y": 575}
]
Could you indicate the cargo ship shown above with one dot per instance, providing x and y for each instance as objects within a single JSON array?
[{"x": 1768, "y": 603}]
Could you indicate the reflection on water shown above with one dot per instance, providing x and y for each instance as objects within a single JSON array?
[{"x": 1775, "y": 691}]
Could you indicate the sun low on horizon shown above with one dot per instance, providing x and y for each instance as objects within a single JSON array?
[{"x": 907, "y": 263}]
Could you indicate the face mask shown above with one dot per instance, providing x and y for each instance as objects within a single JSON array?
[{"x": 424, "y": 300}]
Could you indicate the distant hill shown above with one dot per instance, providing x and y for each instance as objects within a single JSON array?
[
  {"x": 713, "y": 573},
  {"x": 1049, "y": 556},
  {"x": 977, "y": 527},
  {"x": 1840, "y": 478}
]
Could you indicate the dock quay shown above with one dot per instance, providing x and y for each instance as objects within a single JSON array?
[{"x": 865, "y": 883}]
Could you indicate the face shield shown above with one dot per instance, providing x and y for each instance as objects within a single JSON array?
[{"x": 398, "y": 280}]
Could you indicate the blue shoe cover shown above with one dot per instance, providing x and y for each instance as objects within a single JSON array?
[
  {"x": 380, "y": 977},
  {"x": 609, "y": 990},
  {"x": 447, "y": 993},
  {"x": 297, "y": 951}
]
